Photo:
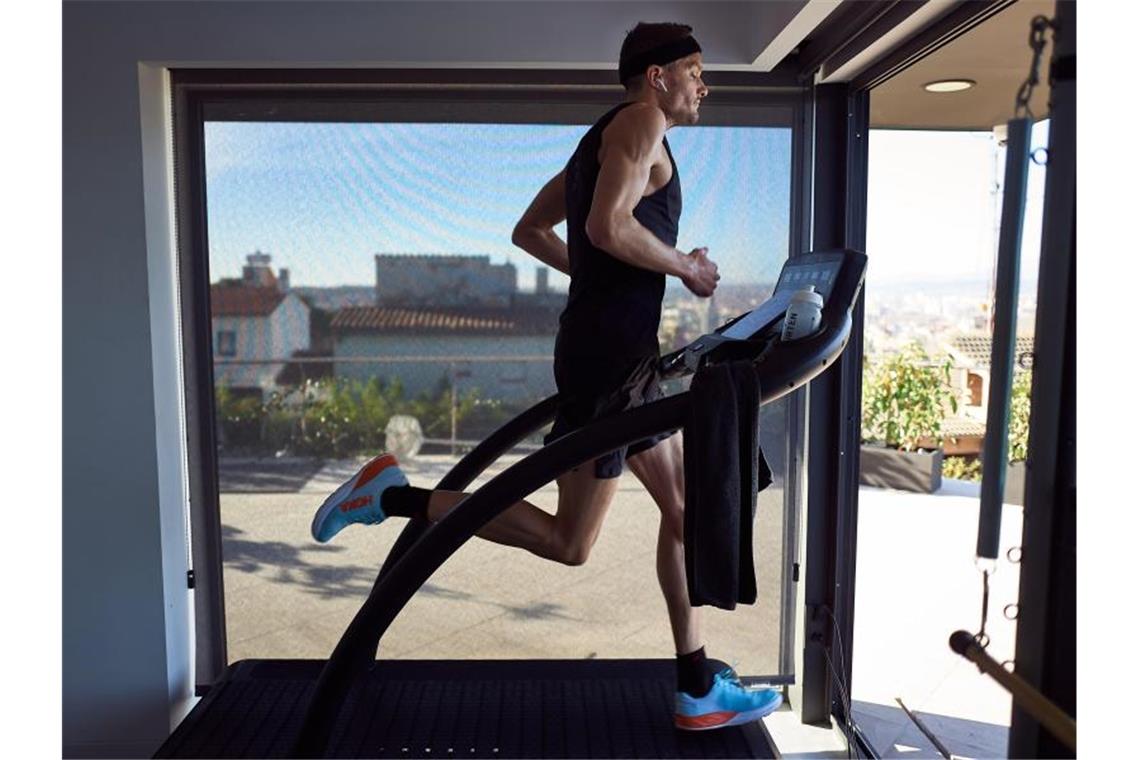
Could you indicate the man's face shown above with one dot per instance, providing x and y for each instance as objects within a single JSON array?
[{"x": 686, "y": 90}]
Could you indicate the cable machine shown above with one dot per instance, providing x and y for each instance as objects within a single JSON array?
[{"x": 1042, "y": 676}]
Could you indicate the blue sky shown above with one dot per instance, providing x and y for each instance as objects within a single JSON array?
[{"x": 323, "y": 198}]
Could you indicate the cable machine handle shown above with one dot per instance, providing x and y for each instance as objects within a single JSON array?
[
  {"x": 1032, "y": 701},
  {"x": 996, "y": 446}
]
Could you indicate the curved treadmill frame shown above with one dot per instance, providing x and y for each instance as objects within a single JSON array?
[{"x": 422, "y": 548}]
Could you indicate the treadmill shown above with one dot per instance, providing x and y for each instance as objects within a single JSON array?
[{"x": 353, "y": 705}]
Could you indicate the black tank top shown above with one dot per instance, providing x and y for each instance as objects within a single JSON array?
[{"x": 613, "y": 308}]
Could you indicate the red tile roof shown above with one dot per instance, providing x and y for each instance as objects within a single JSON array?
[
  {"x": 243, "y": 301},
  {"x": 976, "y": 348},
  {"x": 468, "y": 321}
]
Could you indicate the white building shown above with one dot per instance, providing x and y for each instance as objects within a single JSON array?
[
  {"x": 504, "y": 354},
  {"x": 250, "y": 326}
]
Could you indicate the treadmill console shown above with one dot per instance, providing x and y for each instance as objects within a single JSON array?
[{"x": 820, "y": 270}]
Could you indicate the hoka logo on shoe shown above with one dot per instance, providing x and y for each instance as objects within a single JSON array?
[{"x": 357, "y": 503}]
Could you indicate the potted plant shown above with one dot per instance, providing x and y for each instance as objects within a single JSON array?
[
  {"x": 1018, "y": 438},
  {"x": 905, "y": 398}
]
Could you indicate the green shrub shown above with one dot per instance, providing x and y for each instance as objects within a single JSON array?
[
  {"x": 433, "y": 410},
  {"x": 280, "y": 425},
  {"x": 905, "y": 398},
  {"x": 343, "y": 417},
  {"x": 962, "y": 468},
  {"x": 488, "y": 415},
  {"x": 239, "y": 418},
  {"x": 1019, "y": 416}
]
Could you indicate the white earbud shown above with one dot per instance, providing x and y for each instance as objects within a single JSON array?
[{"x": 661, "y": 86}]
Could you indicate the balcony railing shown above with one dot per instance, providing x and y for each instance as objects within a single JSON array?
[{"x": 333, "y": 406}]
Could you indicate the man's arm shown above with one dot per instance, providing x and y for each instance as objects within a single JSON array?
[
  {"x": 627, "y": 157},
  {"x": 534, "y": 232}
]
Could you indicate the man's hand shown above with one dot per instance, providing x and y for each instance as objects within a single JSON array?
[{"x": 702, "y": 276}]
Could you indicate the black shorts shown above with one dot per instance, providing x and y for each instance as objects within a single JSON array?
[{"x": 592, "y": 389}]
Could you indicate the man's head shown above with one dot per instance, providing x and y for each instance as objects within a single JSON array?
[{"x": 661, "y": 63}]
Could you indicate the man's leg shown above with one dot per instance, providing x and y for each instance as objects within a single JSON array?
[
  {"x": 661, "y": 470},
  {"x": 380, "y": 490},
  {"x": 703, "y": 701},
  {"x": 566, "y": 536}
]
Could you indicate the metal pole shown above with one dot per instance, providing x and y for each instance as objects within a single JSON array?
[
  {"x": 1047, "y": 590},
  {"x": 1004, "y": 342},
  {"x": 453, "y": 410}
]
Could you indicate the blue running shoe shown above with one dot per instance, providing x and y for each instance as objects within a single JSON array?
[
  {"x": 358, "y": 499},
  {"x": 728, "y": 703}
]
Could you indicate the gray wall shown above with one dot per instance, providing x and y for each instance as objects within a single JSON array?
[
  {"x": 444, "y": 281},
  {"x": 501, "y": 379},
  {"x": 126, "y": 613}
]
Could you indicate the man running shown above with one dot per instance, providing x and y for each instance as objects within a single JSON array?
[{"x": 620, "y": 195}]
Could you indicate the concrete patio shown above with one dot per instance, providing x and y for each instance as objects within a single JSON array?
[{"x": 289, "y": 597}]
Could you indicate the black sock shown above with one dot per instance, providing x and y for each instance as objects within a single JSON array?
[
  {"x": 693, "y": 674},
  {"x": 406, "y": 501}
]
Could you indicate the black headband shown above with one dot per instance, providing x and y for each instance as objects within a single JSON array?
[{"x": 658, "y": 56}]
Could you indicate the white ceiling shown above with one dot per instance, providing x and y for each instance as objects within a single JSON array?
[{"x": 995, "y": 54}]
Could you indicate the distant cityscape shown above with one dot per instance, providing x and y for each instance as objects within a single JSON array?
[
  {"x": 929, "y": 313},
  {"x": 933, "y": 313},
  {"x": 460, "y": 324}
]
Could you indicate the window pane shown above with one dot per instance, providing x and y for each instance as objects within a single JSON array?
[
  {"x": 927, "y": 308},
  {"x": 366, "y": 274}
]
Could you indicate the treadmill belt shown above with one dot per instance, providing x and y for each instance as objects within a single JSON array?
[{"x": 460, "y": 709}]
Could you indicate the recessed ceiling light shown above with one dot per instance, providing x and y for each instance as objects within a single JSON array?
[{"x": 949, "y": 85}]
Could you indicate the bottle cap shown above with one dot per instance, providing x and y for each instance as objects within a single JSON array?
[{"x": 808, "y": 295}]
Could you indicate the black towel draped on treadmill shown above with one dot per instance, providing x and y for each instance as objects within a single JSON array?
[{"x": 724, "y": 470}]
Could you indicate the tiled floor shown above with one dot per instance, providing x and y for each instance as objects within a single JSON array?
[
  {"x": 917, "y": 583},
  {"x": 893, "y": 734}
]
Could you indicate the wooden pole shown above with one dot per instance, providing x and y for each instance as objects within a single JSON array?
[{"x": 1043, "y": 711}]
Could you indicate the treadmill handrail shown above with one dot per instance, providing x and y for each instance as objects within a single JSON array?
[{"x": 790, "y": 365}]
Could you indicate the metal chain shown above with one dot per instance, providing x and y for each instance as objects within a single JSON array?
[
  {"x": 980, "y": 637},
  {"x": 1036, "y": 41}
]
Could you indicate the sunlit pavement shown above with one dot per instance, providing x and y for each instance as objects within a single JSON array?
[
  {"x": 288, "y": 596},
  {"x": 916, "y": 584}
]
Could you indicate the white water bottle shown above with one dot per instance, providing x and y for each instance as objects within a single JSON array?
[{"x": 803, "y": 315}]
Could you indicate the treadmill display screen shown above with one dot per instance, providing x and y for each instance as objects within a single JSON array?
[
  {"x": 820, "y": 270},
  {"x": 821, "y": 274}
]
